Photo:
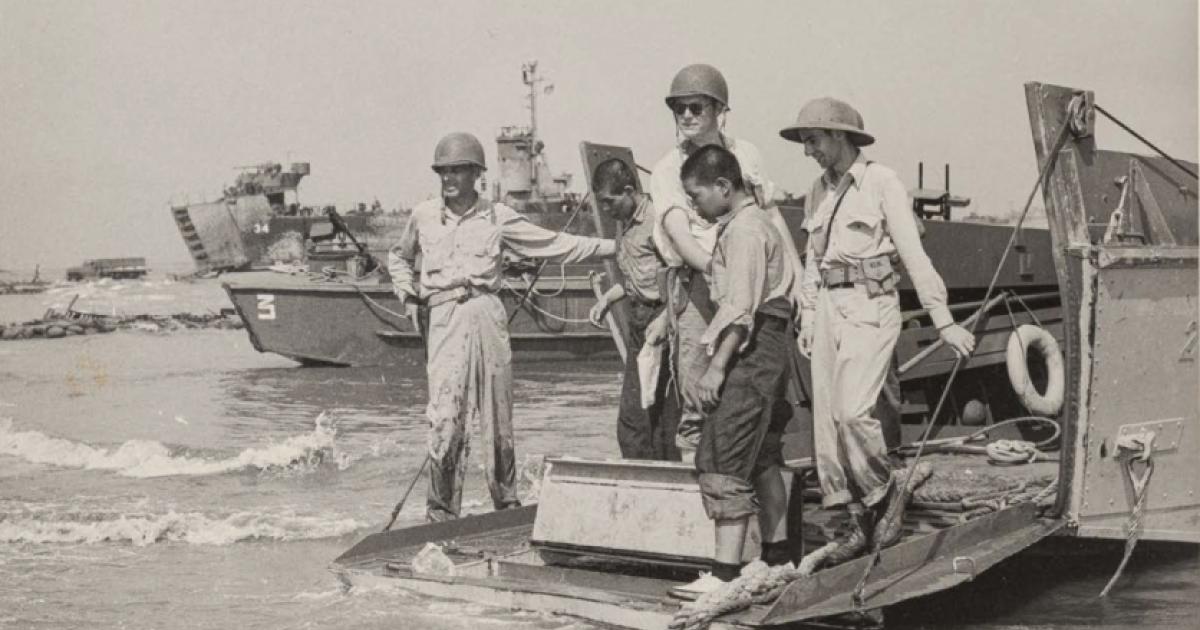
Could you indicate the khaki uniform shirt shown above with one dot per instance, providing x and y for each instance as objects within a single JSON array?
[
  {"x": 749, "y": 269},
  {"x": 466, "y": 251},
  {"x": 638, "y": 257},
  {"x": 875, "y": 218}
]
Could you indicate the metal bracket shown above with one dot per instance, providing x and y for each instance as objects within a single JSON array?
[
  {"x": 1139, "y": 441},
  {"x": 1124, "y": 226},
  {"x": 964, "y": 565},
  {"x": 1160, "y": 230},
  {"x": 1081, "y": 114}
]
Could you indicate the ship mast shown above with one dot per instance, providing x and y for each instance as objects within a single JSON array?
[{"x": 529, "y": 76}]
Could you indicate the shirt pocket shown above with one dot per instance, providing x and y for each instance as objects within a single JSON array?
[
  {"x": 858, "y": 232},
  {"x": 435, "y": 252},
  {"x": 478, "y": 245}
]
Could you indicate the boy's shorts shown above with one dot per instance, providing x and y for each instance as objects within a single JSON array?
[{"x": 741, "y": 436}]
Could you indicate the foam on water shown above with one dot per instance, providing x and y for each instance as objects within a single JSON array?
[
  {"x": 148, "y": 458},
  {"x": 191, "y": 527}
]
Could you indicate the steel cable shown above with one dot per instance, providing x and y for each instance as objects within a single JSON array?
[{"x": 1051, "y": 159}]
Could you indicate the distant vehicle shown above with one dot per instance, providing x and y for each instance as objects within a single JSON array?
[{"x": 116, "y": 268}]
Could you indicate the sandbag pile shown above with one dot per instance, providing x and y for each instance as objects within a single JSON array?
[
  {"x": 54, "y": 329},
  {"x": 55, "y": 325}
]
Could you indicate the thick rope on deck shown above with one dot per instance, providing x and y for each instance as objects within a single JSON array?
[
  {"x": 971, "y": 494},
  {"x": 761, "y": 584},
  {"x": 758, "y": 584}
]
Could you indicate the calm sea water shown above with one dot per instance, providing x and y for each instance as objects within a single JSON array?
[{"x": 183, "y": 480}]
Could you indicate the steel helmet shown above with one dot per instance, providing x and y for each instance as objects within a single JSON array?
[
  {"x": 458, "y": 148},
  {"x": 831, "y": 114},
  {"x": 699, "y": 79}
]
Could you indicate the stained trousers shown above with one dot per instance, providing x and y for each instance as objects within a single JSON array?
[
  {"x": 470, "y": 385},
  {"x": 854, "y": 336}
]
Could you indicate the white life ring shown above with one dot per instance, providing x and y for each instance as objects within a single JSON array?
[{"x": 1019, "y": 343}]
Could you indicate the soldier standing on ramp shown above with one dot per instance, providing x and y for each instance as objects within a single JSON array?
[
  {"x": 860, "y": 226},
  {"x": 699, "y": 101},
  {"x": 461, "y": 238}
]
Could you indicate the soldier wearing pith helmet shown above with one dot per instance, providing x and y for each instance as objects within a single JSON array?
[
  {"x": 461, "y": 238},
  {"x": 861, "y": 229}
]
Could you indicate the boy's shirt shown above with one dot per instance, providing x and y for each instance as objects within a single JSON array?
[
  {"x": 637, "y": 256},
  {"x": 749, "y": 273},
  {"x": 667, "y": 191}
]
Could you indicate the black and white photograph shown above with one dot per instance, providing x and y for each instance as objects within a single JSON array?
[{"x": 599, "y": 315}]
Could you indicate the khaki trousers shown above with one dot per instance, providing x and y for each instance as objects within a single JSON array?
[
  {"x": 470, "y": 385},
  {"x": 854, "y": 336}
]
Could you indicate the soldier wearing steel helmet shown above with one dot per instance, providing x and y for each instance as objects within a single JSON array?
[
  {"x": 699, "y": 102},
  {"x": 861, "y": 227},
  {"x": 461, "y": 238}
]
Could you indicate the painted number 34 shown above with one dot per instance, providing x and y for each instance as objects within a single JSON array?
[{"x": 266, "y": 306}]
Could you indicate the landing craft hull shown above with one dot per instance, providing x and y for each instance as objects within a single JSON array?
[
  {"x": 245, "y": 233},
  {"x": 340, "y": 323},
  {"x": 1125, "y": 253}
]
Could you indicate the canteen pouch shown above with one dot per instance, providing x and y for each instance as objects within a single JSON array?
[{"x": 879, "y": 275}]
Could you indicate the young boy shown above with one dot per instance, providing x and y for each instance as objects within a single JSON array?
[
  {"x": 642, "y": 433},
  {"x": 748, "y": 341}
]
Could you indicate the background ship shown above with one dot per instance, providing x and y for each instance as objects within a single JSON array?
[{"x": 341, "y": 310}]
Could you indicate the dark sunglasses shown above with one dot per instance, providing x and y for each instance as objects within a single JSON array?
[{"x": 695, "y": 108}]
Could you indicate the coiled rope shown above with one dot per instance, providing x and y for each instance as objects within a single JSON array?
[{"x": 1001, "y": 452}]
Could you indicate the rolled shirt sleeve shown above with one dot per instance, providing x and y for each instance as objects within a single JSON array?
[
  {"x": 401, "y": 259},
  {"x": 526, "y": 239},
  {"x": 742, "y": 281}
]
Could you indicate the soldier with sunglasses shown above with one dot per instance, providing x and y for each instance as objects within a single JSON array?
[{"x": 699, "y": 101}]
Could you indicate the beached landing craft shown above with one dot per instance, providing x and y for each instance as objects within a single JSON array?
[
  {"x": 342, "y": 311},
  {"x": 608, "y": 539}
]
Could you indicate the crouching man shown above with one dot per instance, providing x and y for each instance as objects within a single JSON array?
[{"x": 642, "y": 432}]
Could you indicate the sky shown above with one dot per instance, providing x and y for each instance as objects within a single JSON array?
[{"x": 112, "y": 111}]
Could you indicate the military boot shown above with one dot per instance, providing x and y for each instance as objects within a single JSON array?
[
  {"x": 890, "y": 526},
  {"x": 854, "y": 543}
]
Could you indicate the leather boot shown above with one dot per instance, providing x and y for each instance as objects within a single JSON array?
[
  {"x": 854, "y": 544},
  {"x": 890, "y": 526}
]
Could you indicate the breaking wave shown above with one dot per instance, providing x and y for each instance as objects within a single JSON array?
[
  {"x": 192, "y": 528},
  {"x": 148, "y": 458}
]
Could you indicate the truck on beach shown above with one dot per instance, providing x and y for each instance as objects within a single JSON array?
[
  {"x": 1093, "y": 368},
  {"x": 115, "y": 268}
]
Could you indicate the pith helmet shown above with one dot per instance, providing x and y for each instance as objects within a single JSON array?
[
  {"x": 699, "y": 79},
  {"x": 458, "y": 148},
  {"x": 829, "y": 113}
]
